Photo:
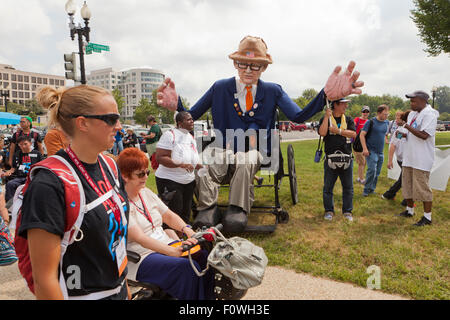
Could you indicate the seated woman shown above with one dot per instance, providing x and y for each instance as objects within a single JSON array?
[{"x": 161, "y": 263}]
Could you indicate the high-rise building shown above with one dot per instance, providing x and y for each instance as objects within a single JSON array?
[
  {"x": 23, "y": 85},
  {"x": 133, "y": 84}
]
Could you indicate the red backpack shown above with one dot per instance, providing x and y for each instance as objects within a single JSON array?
[{"x": 76, "y": 207}]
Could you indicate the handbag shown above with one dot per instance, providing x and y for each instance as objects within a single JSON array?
[
  {"x": 237, "y": 259},
  {"x": 319, "y": 151}
]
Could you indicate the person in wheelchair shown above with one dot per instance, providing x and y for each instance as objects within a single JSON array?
[
  {"x": 161, "y": 260},
  {"x": 241, "y": 103},
  {"x": 21, "y": 163}
]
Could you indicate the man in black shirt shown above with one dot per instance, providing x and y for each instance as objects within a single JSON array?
[
  {"x": 21, "y": 163},
  {"x": 26, "y": 129},
  {"x": 338, "y": 130}
]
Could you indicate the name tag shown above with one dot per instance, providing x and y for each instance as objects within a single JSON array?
[{"x": 121, "y": 256}]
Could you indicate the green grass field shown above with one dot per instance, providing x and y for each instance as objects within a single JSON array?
[{"x": 414, "y": 262}]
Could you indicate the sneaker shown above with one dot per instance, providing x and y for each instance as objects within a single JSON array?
[
  {"x": 403, "y": 203},
  {"x": 363, "y": 181},
  {"x": 328, "y": 216},
  {"x": 358, "y": 180},
  {"x": 422, "y": 222},
  {"x": 405, "y": 214},
  {"x": 348, "y": 216},
  {"x": 386, "y": 198}
]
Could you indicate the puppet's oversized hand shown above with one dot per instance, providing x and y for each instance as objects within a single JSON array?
[
  {"x": 341, "y": 85},
  {"x": 166, "y": 96}
]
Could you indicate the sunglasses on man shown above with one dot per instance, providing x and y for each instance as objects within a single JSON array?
[
  {"x": 253, "y": 67},
  {"x": 110, "y": 118}
]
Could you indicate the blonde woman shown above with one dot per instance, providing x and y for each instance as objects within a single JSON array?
[{"x": 92, "y": 266}]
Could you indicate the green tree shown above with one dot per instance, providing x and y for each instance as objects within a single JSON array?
[
  {"x": 146, "y": 108},
  {"x": 443, "y": 99},
  {"x": 119, "y": 99},
  {"x": 432, "y": 18}
]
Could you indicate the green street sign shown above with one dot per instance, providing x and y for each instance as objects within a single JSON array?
[{"x": 97, "y": 47}]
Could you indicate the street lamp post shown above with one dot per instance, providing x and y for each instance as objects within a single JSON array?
[
  {"x": 80, "y": 31},
  {"x": 433, "y": 91},
  {"x": 5, "y": 94}
]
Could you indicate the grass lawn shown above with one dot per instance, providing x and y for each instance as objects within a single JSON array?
[{"x": 414, "y": 262}]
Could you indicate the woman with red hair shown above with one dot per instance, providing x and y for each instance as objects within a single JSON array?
[{"x": 160, "y": 263}]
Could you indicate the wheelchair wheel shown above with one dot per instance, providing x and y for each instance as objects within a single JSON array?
[
  {"x": 292, "y": 174},
  {"x": 224, "y": 289}
]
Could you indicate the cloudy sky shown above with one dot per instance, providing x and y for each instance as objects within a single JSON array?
[{"x": 190, "y": 40}]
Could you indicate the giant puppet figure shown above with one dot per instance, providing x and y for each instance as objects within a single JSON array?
[{"x": 246, "y": 102}]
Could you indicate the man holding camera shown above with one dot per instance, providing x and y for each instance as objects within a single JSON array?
[{"x": 338, "y": 131}]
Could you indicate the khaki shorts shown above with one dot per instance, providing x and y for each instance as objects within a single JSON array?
[
  {"x": 416, "y": 184},
  {"x": 360, "y": 159}
]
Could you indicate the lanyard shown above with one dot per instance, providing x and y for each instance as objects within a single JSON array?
[
  {"x": 111, "y": 203},
  {"x": 145, "y": 213}
]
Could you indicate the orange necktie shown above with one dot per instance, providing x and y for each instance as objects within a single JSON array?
[{"x": 249, "y": 98}]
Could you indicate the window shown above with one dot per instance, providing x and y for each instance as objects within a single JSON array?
[
  {"x": 14, "y": 86},
  {"x": 20, "y": 86},
  {"x": 39, "y": 80},
  {"x": 5, "y": 76},
  {"x": 33, "y": 79},
  {"x": 5, "y": 84},
  {"x": 52, "y": 81},
  {"x": 26, "y": 78},
  {"x": 45, "y": 80},
  {"x": 27, "y": 86},
  {"x": 13, "y": 77},
  {"x": 20, "y": 78},
  {"x": 27, "y": 95},
  {"x": 20, "y": 94},
  {"x": 14, "y": 94}
]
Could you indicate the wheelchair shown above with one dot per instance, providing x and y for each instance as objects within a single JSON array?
[
  {"x": 281, "y": 215},
  {"x": 223, "y": 288}
]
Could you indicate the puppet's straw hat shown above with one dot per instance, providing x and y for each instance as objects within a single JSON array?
[{"x": 252, "y": 49}]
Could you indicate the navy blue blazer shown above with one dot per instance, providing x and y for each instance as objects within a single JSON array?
[{"x": 226, "y": 112}]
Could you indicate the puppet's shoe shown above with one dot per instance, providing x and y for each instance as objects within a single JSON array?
[
  {"x": 207, "y": 218},
  {"x": 235, "y": 220}
]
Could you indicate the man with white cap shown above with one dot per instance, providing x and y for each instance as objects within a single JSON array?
[
  {"x": 418, "y": 156},
  {"x": 244, "y": 103}
]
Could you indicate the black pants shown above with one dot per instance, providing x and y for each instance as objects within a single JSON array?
[
  {"x": 390, "y": 194},
  {"x": 182, "y": 200}
]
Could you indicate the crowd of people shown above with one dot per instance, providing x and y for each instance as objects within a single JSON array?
[{"x": 82, "y": 210}]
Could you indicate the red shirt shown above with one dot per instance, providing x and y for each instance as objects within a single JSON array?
[{"x": 359, "y": 124}]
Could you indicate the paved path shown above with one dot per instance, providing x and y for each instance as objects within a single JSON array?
[{"x": 278, "y": 284}]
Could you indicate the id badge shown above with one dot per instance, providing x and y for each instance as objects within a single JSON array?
[{"x": 121, "y": 256}]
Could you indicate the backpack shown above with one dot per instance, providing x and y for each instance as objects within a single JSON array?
[
  {"x": 76, "y": 207},
  {"x": 357, "y": 146}
]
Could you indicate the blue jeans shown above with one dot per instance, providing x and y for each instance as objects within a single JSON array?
[
  {"x": 118, "y": 147},
  {"x": 374, "y": 165},
  {"x": 329, "y": 180}
]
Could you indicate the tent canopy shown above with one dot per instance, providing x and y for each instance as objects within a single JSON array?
[{"x": 9, "y": 118}]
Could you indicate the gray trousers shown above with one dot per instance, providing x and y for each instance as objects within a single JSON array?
[{"x": 238, "y": 170}]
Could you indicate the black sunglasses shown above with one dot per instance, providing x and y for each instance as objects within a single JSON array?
[
  {"x": 110, "y": 119},
  {"x": 366, "y": 111},
  {"x": 253, "y": 67},
  {"x": 142, "y": 173}
]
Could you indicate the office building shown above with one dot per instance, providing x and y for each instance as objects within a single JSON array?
[
  {"x": 23, "y": 85},
  {"x": 133, "y": 84}
]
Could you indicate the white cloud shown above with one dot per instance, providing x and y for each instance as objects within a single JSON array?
[{"x": 190, "y": 40}]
